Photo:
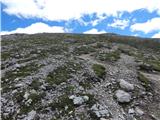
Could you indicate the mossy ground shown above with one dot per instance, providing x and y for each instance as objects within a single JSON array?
[
  {"x": 21, "y": 72},
  {"x": 84, "y": 50},
  {"x": 63, "y": 73},
  {"x": 99, "y": 70},
  {"x": 61, "y": 103},
  {"x": 144, "y": 80},
  {"x": 111, "y": 57}
]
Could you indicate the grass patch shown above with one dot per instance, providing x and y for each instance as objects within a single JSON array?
[
  {"x": 127, "y": 51},
  {"x": 85, "y": 84},
  {"x": 21, "y": 72},
  {"x": 150, "y": 65},
  {"x": 35, "y": 104},
  {"x": 144, "y": 80},
  {"x": 63, "y": 73},
  {"x": 69, "y": 89},
  {"x": 19, "y": 97},
  {"x": 112, "y": 56},
  {"x": 5, "y": 55},
  {"x": 58, "y": 50},
  {"x": 61, "y": 103},
  {"x": 35, "y": 84},
  {"x": 155, "y": 64},
  {"x": 99, "y": 70},
  {"x": 84, "y": 50},
  {"x": 99, "y": 45}
]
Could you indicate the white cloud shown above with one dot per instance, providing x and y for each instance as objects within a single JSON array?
[
  {"x": 69, "y": 9},
  {"x": 94, "y": 31},
  {"x": 147, "y": 27},
  {"x": 36, "y": 28},
  {"x": 157, "y": 35},
  {"x": 122, "y": 24}
]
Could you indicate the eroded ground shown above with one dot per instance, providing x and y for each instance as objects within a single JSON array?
[{"x": 74, "y": 77}]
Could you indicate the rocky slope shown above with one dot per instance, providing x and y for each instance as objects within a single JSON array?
[{"x": 79, "y": 77}]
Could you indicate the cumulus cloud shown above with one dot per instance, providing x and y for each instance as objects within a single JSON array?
[
  {"x": 74, "y": 9},
  {"x": 36, "y": 28},
  {"x": 157, "y": 35},
  {"x": 94, "y": 31},
  {"x": 147, "y": 27},
  {"x": 122, "y": 24}
]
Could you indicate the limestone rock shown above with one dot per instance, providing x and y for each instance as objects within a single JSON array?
[
  {"x": 31, "y": 115},
  {"x": 122, "y": 96},
  {"x": 126, "y": 85},
  {"x": 138, "y": 111},
  {"x": 79, "y": 100},
  {"x": 100, "y": 111}
]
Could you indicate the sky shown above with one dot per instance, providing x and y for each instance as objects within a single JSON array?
[{"x": 125, "y": 17}]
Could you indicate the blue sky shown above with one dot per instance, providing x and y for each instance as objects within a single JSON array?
[{"x": 126, "y": 17}]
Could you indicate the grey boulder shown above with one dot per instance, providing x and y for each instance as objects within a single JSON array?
[
  {"x": 126, "y": 85},
  {"x": 122, "y": 96}
]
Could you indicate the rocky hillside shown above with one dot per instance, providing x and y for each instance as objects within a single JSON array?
[{"x": 79, "y": 77}]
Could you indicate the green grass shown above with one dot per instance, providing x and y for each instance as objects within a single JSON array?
[
  {"x": 5, "y": 55},
  {"x": 62, "y": 73},
  {"x": 99, "y": 45},
  {"x": 61, "y": 103},
  {"x": 128, "y": 51},
  {"x": 155, "y": 64},
  {"x": 58, "y": 49},
  {"x": 35, "y": 104},
  {"x": 22, "y": 72},
  {"x": 85, "y": 84},
  {"x": 144, "y": 80},
  {"x": 150, "y": 65},
  {"x": 99, "y": 70},
  {"x": 19, "y": 97},
  {"x": 111, "y": 57},
  {"x": 69, "y": 89},
  {"x": 84, "y": 50},
  {"x": 35, "y": 84}
]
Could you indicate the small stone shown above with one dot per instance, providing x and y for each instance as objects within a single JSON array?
[
  {"x": 123, "y": 96},
  {"x": 66, "y": 107},
  {"x": 86, "y": 98},
  {"x": 71, "y": 97},
  {"x": 28, "y": 102},
  {"x": 19, "y": 85},
  {"x": 138, "y": 111},
  {"x": 26, "y": 95},
  {"x": 100, "y": 111},
  {"x": 17, "y": 79},
  {"x": 131, "y": 111},
  {"x": 17, "y": 56},
  {"x": 81, "y": 88},
  {"x": 31, "y": 115},
  {"x": 125, "y": 85},
  {"x": 14, "y": 91},
  {"x": 79, "y": 100},
  {"x": 33, "y": 91},
  {"x": 38, "y": 51},
  {"x": 17, "y": 66}
]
